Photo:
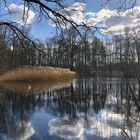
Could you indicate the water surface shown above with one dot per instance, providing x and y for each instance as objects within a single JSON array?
[{"x": 86, "y": 109}]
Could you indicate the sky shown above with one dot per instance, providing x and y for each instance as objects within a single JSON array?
[
  {"x": 45, "y": 30},
  {"x": 93, "y": 12}
]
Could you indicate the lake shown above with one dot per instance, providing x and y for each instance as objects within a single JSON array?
[{"x": 82, "y": 109}]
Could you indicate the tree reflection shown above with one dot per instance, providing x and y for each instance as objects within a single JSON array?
[{"x": 104, "y": 106}]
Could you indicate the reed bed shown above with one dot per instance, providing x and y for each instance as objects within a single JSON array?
[{"x": 37, "y": 74}]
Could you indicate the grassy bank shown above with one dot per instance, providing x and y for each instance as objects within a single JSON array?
[{"x": 37, "y": 74}]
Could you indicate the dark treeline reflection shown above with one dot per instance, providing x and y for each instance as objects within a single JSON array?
[{"x": 89, "y": 108}]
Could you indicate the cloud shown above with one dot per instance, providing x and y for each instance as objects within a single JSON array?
[
  {"x": 128, "y": 19},
  {"x": 77, "y": 14},
  {"x": 111, "y": 21},
  {"x": 95, "y": 18},
  {"x": 73, "y": 13},
  {"x": 21, "y": 14}
]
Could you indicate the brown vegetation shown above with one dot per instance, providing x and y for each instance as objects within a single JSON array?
[
  {"x": 37, "y": 74},
  {"x": 27, "y": 88}
]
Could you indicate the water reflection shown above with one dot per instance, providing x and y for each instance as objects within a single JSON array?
[
  {"x": 33, "y": 87},
  {"x": 89, "y": 108}
]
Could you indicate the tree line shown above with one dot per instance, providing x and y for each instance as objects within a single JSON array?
[{"x": 67, "y": 50}]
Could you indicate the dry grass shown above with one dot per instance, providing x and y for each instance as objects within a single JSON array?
[{"x": 37, "y": 74}]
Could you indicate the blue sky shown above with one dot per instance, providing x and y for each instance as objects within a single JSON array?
[
  {"x": 43, "y": 30},
  {"x": 93, "y": 12},
  {"x": 118, "y": 23}
]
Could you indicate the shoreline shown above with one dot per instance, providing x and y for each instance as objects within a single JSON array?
[{"x": 32, "y": 74}]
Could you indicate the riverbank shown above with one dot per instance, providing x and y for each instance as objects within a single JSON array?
[{"x": 37, "y": 74}]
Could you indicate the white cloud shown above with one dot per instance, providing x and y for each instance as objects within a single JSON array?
[
  {"x": 115, "y": 23},
  {"x": 128, "y": 19},
  {"x": 95, "y": 18},
  {"x": 111, "y": 21},
  {"x": 74, "y": 13},
  {"x": 77, "y": 14},
  {"x": 78, "y": 6},
  {"x": 21, "y": 14}
]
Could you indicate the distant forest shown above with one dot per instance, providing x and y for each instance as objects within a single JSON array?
[{"x": 88, "y": 54}]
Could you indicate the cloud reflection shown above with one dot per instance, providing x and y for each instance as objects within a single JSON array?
[{"x": 23, "y": 131}]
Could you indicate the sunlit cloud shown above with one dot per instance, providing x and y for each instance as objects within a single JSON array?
[
  {"x": 73, "y": 13},
  {"x": 128, "y": 19},
  {"x": 21, "y": 14},
  {"x": 77, "y": 14},
  {"x": 110, "y": 21}
]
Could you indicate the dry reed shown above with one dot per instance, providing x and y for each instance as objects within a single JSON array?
[{"x": 37, "y": 74}]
